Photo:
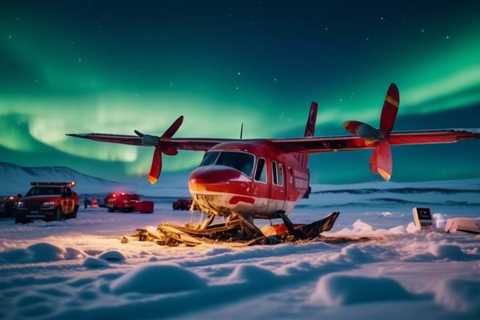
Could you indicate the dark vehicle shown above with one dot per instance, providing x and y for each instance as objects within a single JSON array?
[
  {"x": 182, "y": 204},
  {"x": 121, "y": 201},
  {"x": 8, "y": 205},
  {"x": 48, "y": 201}
]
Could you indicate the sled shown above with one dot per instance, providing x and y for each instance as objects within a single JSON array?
[{"x": 236, "y": 231}]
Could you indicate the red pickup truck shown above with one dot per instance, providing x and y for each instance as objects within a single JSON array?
[{"x": 48, "y": 201}]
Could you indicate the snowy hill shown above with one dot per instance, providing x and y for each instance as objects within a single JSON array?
[{"x": 16, "y": 179}]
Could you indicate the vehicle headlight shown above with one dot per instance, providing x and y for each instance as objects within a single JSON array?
[
  {"x": 20, "y": 204},
  {"x": 48, "y": 204}
]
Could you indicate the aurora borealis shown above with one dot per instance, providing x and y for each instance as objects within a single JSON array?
[{"x": 89, "y": 66}]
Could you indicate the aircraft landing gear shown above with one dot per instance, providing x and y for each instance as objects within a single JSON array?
[
  {"x": 312, "y": 230},
  {"x": 237, "y": 230}
]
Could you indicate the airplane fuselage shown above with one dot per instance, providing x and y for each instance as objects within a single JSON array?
[{"x": 251, "y": 178}]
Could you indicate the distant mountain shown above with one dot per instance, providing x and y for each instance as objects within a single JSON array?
[{"x": 16, "y": 179}]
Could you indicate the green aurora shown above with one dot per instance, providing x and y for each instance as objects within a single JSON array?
[{"x": 94, "y": 68}]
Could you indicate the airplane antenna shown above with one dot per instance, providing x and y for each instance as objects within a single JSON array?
[{"x": 241, "y": 131}]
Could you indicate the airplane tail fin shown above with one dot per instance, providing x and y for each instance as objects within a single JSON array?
[
  {"x": 309, "y": 132},
  {"x": 311, "y": 121}
]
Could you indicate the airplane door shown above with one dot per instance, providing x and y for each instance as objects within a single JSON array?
[
  {"x": 261, "y": 187},
  {"x": 278, "y": 187},
  {"x": 282, "y": 183}
]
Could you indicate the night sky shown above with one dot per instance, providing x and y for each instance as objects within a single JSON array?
[{"x": 100, "y": 66}]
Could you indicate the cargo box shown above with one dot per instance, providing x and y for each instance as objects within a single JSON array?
[{"x": 144, "y": 206}]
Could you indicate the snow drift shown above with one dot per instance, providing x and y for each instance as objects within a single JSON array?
[
  {"x": 157, "y": 278},
  {"x": 39, "y": 252},
  {"x": 337, "y": 290}
]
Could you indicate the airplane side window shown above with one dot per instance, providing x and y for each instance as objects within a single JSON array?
[
  {"x": 261, "y": 173},
  {"x": 280, "y": 174},
  {"x": 274, "y": 172}
]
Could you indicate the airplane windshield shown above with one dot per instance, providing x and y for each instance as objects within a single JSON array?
[{"x": 237, "y": 160}]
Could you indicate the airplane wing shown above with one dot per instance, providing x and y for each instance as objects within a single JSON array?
[
  {"x": 349, "y": 143},
  {"x": 192, "y": 144},
  {"x": 163, "y": 144},
  {"x": 112, "y": 138},
  {"x": 380, "y": 162},
  {"x": 380, "y": 142},
  {"x": 305, "y": 144}
]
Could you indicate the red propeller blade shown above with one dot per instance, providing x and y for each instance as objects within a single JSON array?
[
  {"x": 381, "y": 160},
  {"x": 390, "y": 109},
  {"x": 156, "y": 167},
  {"x": 173, "y": 128}
]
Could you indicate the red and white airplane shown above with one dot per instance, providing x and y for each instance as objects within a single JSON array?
[{"x": 264, "y": 178}]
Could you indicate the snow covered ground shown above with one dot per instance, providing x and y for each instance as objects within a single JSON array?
[{"x": 78, "y": 269}]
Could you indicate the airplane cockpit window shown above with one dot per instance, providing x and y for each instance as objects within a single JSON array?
[
  {"x": 261, "y": 172},
  {"x": 238, "y": 160},
  {"x": 209, "y": 158}
]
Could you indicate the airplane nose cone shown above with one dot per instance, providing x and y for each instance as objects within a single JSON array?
[
  {"x": 202, "y": 177},
  {"x": 219, "y": 189}
]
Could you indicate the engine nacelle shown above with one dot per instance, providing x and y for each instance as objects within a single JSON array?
[
  {"x": 364, "y": 131},
  {"x": 148, "y": 140}
]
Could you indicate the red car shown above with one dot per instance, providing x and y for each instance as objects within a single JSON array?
[
  {"x": 121, "y": 201},
  {"x": 48, "y": 201}
]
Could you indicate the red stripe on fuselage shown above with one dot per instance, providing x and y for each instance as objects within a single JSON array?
[{"x": 237, "y": 199}]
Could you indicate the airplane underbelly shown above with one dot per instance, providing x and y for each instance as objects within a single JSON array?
[{"x": 225, "y": 203}]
